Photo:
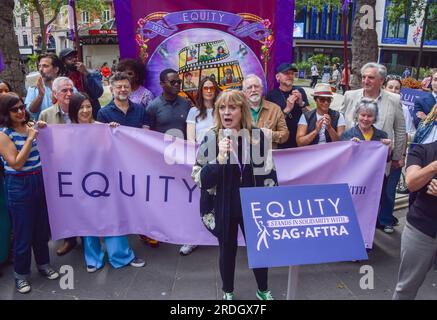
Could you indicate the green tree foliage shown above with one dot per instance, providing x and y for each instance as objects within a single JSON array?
[
  {"x": 319, "y": 60},
  {"x": 414, "y": 11},
  {"x": 299, "y": 4},
  {"x": 48, "y": 11}
]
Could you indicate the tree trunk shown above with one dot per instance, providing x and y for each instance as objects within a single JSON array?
[
  {"x": 364, "y": 42},
  {"x": 42, "y": 26},
  {"x": 9, "y": 47},
  {"x": 422, "y": 40}
]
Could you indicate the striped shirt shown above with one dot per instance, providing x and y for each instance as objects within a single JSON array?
[{"x": 33, "y": 162}]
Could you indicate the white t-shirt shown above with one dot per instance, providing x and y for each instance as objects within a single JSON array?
[
  {"x": 409, "y": 123},
  {"x": 202, "y": 125},
  {"x": 322, "y": 137}
]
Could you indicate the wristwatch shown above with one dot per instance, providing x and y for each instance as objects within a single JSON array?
[{"x": 289, "y": 115}]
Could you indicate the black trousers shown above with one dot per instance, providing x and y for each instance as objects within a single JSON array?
[
  {"x": 228, "y": 252},
  {"x": 313, "y": 81}
]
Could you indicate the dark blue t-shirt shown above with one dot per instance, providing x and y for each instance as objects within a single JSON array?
[
  {"x": 135, "y": 116},
  {"x": 165, "y": 115},
  {"x": 280, "y": 98}
]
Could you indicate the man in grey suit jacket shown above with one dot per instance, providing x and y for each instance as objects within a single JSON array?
[
  {"x": 58, "y": 113},
  {"x": 62, "y": 89},
  {"x": 390, "y": 114},
  {"x": 390, "y": 119}
]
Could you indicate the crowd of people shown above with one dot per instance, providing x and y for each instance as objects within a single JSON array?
[{"x": 67, "y": 93}]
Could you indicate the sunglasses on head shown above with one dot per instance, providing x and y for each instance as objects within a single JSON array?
[
  {"x": 393, "y": 77},
  {"x": 17, "y": 108}
]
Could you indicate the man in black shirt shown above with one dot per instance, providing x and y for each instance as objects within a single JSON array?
[
  {"x": 292, "y": 100},
  {"x": 419, "y": 238}
]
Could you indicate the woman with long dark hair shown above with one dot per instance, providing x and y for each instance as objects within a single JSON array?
[
  {"x": 24, "y": 189},
  {"x": 199, "y": 120}
]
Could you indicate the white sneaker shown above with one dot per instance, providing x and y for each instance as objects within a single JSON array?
[
  {"x": 186, "y": 249},
  {"x": 137, "y": 263},
  {"x": 228, "y": 296},
  {"x": 91, "y": 269}
]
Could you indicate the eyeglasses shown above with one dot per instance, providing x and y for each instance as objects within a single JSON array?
[
  {"x": 208, "y": 89},
  {"x": 174, "y": 82},
  {"x": 123, "y": 86},
  {"x": 17, "y": 108}
]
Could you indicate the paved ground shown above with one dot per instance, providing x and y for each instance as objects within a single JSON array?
[{"x": 171, "y": 276}]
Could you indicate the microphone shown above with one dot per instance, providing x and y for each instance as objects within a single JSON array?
[{"x": 227, "y": 133}]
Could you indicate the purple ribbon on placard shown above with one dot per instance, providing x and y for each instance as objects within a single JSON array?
[{"x": 168, "y": 25}]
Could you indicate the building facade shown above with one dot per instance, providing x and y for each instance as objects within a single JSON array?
[
  {"x": 98, "y": 34},
  {"x": 320, "y": 31}
]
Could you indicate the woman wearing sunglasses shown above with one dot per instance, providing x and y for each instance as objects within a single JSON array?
[
  {"x": 323, "y": 124},
  {"x": 199, "y": 120},
  {"x": 24, "y": 190}
]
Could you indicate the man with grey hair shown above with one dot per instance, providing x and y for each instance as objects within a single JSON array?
[
  {"x": 391, "y": 120},
  {"x": 267, "y": 116},
  {"x": 62, "y": 90}
]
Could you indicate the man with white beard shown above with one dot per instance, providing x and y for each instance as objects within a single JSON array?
[{"x": 267, "y": 116}]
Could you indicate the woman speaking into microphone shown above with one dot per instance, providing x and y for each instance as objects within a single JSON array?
[{"x": 233, "y": 154}]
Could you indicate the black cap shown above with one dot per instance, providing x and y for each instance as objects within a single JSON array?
[
  {"x": 66, "y": 52},
  {"x": 284, "y": 67}
]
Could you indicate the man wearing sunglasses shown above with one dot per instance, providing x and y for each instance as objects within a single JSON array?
[
  {"x": 168, "y": 112},
  {"x": 84, "y": 80}
]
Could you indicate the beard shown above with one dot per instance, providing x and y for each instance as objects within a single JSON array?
[
  {"x": 255, "y": 98},
  {"x": 47, "y": 77},
  {"x": 122, "y": 97},
  {"x": 70, "y": 67}
]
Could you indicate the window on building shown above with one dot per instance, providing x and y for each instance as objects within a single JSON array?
[
  {"x": 85, "y": 16},
  {"x": 106, "y": 15},
  {"x": 23, "y": 20},
  {"x": 25, "y": 41},
  {"x": 396, "y": 29}
]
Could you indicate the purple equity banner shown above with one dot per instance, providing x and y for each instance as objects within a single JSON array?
[
  {"x": 131, "y": 181},
  {"x": 360, "y": 165},
  {"x": 120, "y": 181},
  {"x": 409, "y": 97},
  {"x": 206, "y": 38}
]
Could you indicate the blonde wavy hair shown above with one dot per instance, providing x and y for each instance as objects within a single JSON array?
[
  {"x": 432, "y": 116},
  {"x": 237, "y": 98}
]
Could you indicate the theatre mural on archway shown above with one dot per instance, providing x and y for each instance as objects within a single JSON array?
[{"x": 226, "y": 40}]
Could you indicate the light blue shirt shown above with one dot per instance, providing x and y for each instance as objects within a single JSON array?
[{"x": 32, "y": 94}]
